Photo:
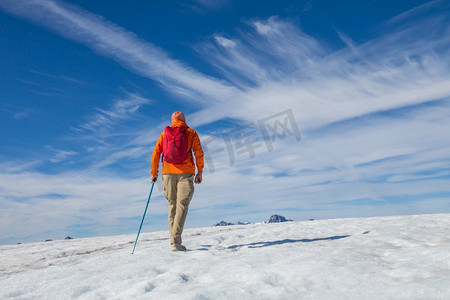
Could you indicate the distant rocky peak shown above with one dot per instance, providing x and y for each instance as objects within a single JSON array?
[
  {"x": 223, "y": 223},
  {"x": 277, "y": 219}
]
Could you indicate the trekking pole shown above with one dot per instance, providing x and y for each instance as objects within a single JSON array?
[{"x": 143, "y": 217}]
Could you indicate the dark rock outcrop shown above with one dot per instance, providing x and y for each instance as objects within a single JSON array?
[
  {"x": 277, "y": 219},
  {"x": 223, "y": 223}
]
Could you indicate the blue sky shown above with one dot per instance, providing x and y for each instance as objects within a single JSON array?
[{"x": 310, "y": 109}]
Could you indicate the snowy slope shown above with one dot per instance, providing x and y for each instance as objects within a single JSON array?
[{"x": 405, "y": 257}]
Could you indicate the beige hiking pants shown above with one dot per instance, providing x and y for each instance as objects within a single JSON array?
[{"x": 178, "y": 190}]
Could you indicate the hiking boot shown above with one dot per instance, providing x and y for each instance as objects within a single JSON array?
[{"x": 178, "y": 247}]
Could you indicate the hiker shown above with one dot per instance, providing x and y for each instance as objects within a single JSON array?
[{"x": 177, "y": 143}]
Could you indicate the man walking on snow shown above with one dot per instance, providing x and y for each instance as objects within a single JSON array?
[{"x": 177, "y": 143}]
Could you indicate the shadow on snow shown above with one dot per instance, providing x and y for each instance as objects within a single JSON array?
[{"x": 287, "y": 241}]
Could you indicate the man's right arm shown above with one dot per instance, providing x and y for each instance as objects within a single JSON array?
[{"x": 155, "y": 157}]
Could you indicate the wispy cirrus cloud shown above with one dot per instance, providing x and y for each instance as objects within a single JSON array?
[
  {"x": 115, "y": 42},
  {"x": 120, "y": 110},
  {"x": 278, "y": 65},
  {"x": 405, "y": 16},
  {"x": 57, "y": 86},
  {"x": 203, "y": 6},
  {"x": 24, "y": 114},
  {"x": 58, "y": 155},
  {"x": 268, "y": 51},
  {"x": 107, "y": 134},
  {"x": 59, "y": 77},
  {"x": 17, "y": 112}
]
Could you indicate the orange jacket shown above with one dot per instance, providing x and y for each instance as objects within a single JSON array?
[{"x": 187, "y": 166}]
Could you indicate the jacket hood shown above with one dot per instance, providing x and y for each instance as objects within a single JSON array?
[{"x": 178, "y": 123}]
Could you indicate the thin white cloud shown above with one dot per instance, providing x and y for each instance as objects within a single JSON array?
[
  {"x": 415, "y": 11},
  {"x": 113, "y": 135},
  {"x": 404, "y": 67},
  {"x": 235, "y": 62},
  {"x": 43, "y": 87},
  {"x": 119, "y": 44},
  {"x": 121, "y": 110},
  {"x": 58, "y": 155},
  {"x": 208, "y": 5},
  {"x": 17, "y": 112},
  {"x": 24, "y": 114},
  {"x": 60, "y": 77},
  {"x": 271, "y": 50}
]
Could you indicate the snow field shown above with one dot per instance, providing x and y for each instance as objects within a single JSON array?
[{"x": 406, "y": 257}]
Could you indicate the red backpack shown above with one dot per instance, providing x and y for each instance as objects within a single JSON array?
[{"x": 175, "y": 145}]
